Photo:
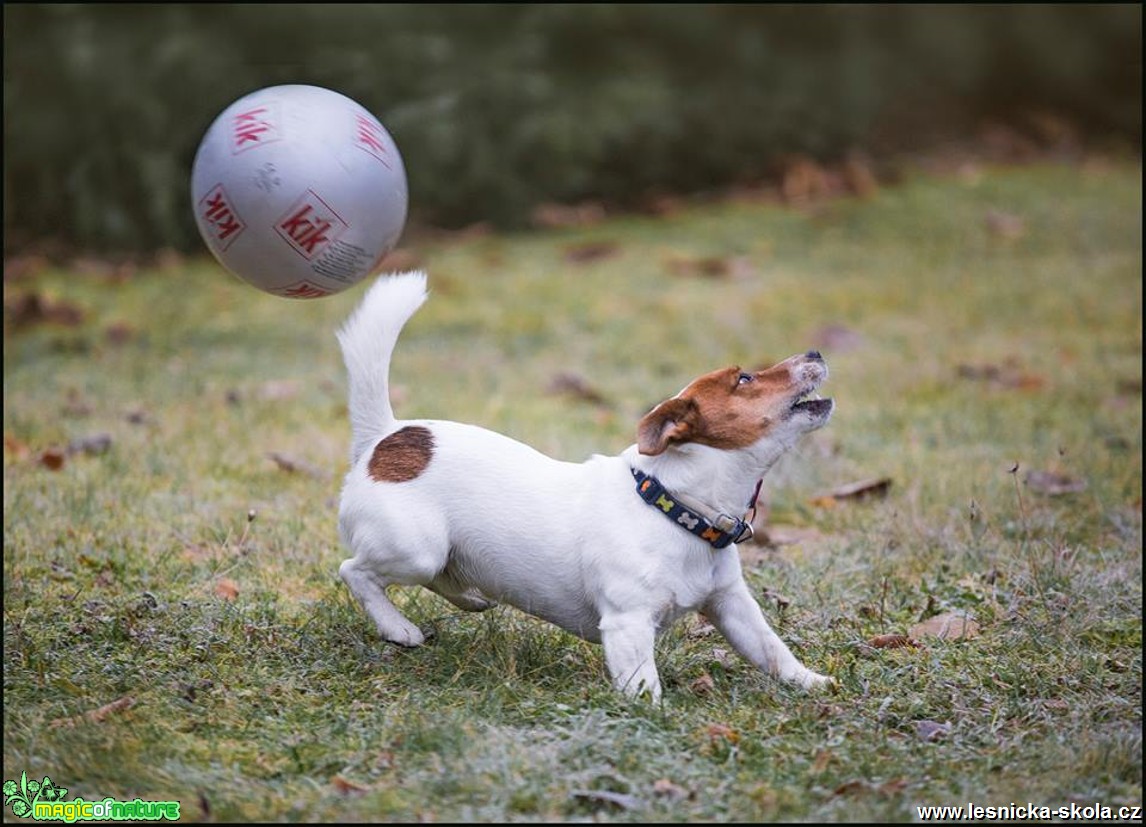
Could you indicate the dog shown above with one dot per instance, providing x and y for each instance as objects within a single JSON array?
[{"x": 613, "y": 549}]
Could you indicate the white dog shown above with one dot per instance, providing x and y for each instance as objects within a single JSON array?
[{"x": 613, "y": 549}]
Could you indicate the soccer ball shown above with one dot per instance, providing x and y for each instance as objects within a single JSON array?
[{"x": 299, "y": 191}]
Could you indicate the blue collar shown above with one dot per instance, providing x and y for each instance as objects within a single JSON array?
[{"x": 721, "y": 532}]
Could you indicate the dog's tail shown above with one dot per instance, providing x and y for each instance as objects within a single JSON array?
[{"x": 367, "y": 340}]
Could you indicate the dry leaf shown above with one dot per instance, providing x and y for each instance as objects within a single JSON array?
[
  {"x": 858, "y": 176},
  {"x": 892, "y": 642},
  {"x": 664, "y": 788},
  {"x": 52, "y": 458},
  {"x": 862, "y": 490},
  {"x": 94, "y": 444},
  {"x": 570, "y": 384},
  {"x": 822, "y": 759},
  {"x": 803, "y": 180},
  {"x": 787, "y": 535},
  {"x": 95, "y": 716},
  {"x": 35, "y": 308},
  {"x": 621, "y": 801},
  {"x": 703, "y": 685},
  {"x": 119, "y": 333},
  {"x": 1008, "y": 375},
  {"x": 837, "y": 337},
  {"x": 137, "y": 417},
  {"x": 947, "y": 626},
  {"x": 17, "y": 449},
  {"x": 348, "y": 787},
  {"x": 292, "y": 465},
  {"x": 591, "y": 251},
  {"x": 227, "y": 588},
  {"x": 1005, "y": 225},
  {"x": 279, "y": 390},
  {"x": 1053, "y": 485},
  {"x": 931, "y": 730},
  {"x": 399, "y": 260},
  {"x": 556, "y": 216},
  {"x": 722, "y": 732},
  {"x": 707, "y": 266},
  {"x": 1057, "y": 704}
]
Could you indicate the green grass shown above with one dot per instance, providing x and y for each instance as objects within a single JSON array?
[{"x": 278, "y": 702}]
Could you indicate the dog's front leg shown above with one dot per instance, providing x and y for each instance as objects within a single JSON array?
[
  {"x": 629, "y": 640},
  {"x": 738, "y": 617}
]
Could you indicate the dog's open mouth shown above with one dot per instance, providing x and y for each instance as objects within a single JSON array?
[{"x": 812, "y": 404}]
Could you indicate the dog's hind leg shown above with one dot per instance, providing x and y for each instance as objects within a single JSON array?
[
  {"x": 447, "y": 584},
  {"x": 370, "y": 590}
]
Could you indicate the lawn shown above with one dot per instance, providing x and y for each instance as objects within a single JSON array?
[{"x": 175, "y": 628}]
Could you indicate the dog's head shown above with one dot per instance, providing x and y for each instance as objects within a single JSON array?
[{"x": 733, "y": 409}]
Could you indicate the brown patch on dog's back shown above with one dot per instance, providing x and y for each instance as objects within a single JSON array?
[{"x": 403, "y": 455}]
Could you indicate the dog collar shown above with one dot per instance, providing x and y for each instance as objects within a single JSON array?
[{"x": 720, "y": 532}]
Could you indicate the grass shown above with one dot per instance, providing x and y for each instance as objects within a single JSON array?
[{"x": 251, "y": 687}]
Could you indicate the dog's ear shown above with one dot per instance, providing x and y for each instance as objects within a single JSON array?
[{"x": 669, "y": 422}]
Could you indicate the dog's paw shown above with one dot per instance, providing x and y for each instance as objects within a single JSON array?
[
  {"x": 813, "y": 681},
  {"x": 408, "y": 635}
]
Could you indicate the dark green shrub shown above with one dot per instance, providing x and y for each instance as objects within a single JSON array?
[{"x": 499, "y": 107}]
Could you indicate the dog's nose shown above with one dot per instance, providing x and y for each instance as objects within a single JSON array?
[{"x": 814, "y": 355}]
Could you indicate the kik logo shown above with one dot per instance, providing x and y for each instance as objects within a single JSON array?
[
  {"x": 310, "y": 225},
  {"x": 254, "y": 127},
  {"x": 220, "y": 217}
]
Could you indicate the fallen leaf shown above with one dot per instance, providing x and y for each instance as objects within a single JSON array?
[
  {"x": 822, "y": 759},
  {"x": 591, "y": 251},
  {"x": 227, "y": 588},
  {"x": 621, "y": 801},
  {"x": 708, "y": 266},
  {"x": 137, "y": 417},
  {"x": 556, "y": 216},
  {"x": 858, "y": 176},
  {"x": 1052, "y": 484},
  {"x": 35, "y": 308},
  {"x": 862, "y": 490},
  {"x": 92, "y": 445},
  {"x": 892, "y": 642},
  {"x": 279, "y": 390},
  {"x": 570, "y": 384},
  {"x": 837, "y": 337},
  {"x": 803, "y": 180},
  {"x": 1056, "y": 704},
  {"x": 947, "y": 626},
  {"x": 700, "y": 630},
  {"x": 931, "y": 730},
  {"x": 702, "y": 685},
  {"x": 723, "y": 732},
  {"x": 347, "y": 787},
  {"x": 723, "y": 657},
  {"x": 849, "y": 787},
  {"x": 787, "y": 535},
  {"x": 399, "y": 260},
  {"x": 664, "y": 788},
  {"x": 1005, "y": 225},
  {"x": 292, "y": 465},
  {"x": 119, "y": 333},
  {"x": 95, "y": 716},
  {"x": 17, "y": 449},
  {"x": 1008, "y": 375},
  {"x": 52, "y": 458}
]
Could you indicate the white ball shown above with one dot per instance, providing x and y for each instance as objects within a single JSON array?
[{"x": 299, "y": 191}]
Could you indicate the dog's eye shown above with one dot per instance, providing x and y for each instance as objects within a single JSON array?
[{"x": 744, "y": 379}]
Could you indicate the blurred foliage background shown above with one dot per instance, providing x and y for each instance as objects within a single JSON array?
[{"x": 497, "y": 108}]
